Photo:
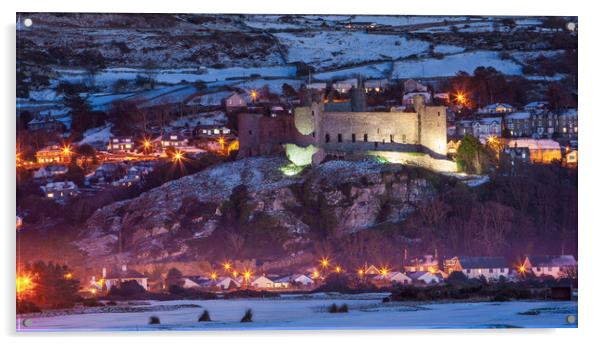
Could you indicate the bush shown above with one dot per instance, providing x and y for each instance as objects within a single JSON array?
[
  {"x": 204, "y": 317},
  {"x": 333, "y": 309},
  {"x": 111, "y": 303},
  {"x": 25, "y": 307},
  {"x": 344, "y": 308},
  {"x": 248, "y": 317},
  {"x": 154, "y": 320},
  {"x": 92, "y": 302},
  {"x": 127, "y": 289}
]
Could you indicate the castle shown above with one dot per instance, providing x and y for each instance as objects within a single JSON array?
[{"x": 312, "y": 133}]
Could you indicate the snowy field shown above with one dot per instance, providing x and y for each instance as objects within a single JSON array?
[
  {"x": 311, "y": 313},
  {"x": 452, "y": 64},
  {"x": 334, "y": 48}
]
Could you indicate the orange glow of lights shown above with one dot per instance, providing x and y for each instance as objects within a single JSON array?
[
  {"x": 316, "y": 275},
  {"x": 338, "y": 269},
  {"x": 384, "y": 271},
  {"x": 461, "y": 98},
  {"x": 360, "y": 272},
  {"x": 68, "y": 275},
  {"x": 25, "y": 284},
  {"x": 324, "y": 262},
  {"x": 247, "y": 274},
  {"x": 227, "y": 266},
  {"x": 146, "y": 143},
  {"x": 177, "y": 156},
  {"x": 522, "y": 269},
  {"x": 254, "y": 95},
  {"x": 213, "y": 276},
  {"x": 235, "y": 274},
  {"x": 66, "y": 150},
  {"x": 432, "y": 270},
  {"x": 93, "y": 291}
]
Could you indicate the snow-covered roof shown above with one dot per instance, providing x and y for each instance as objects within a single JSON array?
[
  {"x": 470, "y": 262},
  {"x": 552, "y": 260},
  {"x": 535, "y": 105},
  {"x": 489, "y": 120},
  {"x": 521, "y": 115},
  {"x": 535, "y": 144},
  {"x": 59, "y": 186},
  {"x": 569, "y": 112},
  {"x": 496, "y": 108}
]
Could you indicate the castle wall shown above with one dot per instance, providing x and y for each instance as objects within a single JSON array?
[
  {"x": 433, "y": 131},
  {"x": 335, "y": 131}
]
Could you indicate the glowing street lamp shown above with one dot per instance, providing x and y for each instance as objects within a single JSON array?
[
  {"x": 338, "y": 269},
  {"x": 461, "y": 98},
  {"x": 360, "y": 272},
  {"x": 66, "y": 150},
  {"x": 213, "y": 276},
  {"x": 177, "y": 156},
  {"x": 253, "y": 95},
  {"x": 227, "y": 266},
  {"x": 247, "y": 275},
  {"x": 324, "y": 262},
  {"x": 384, "y": 271},
  {"x": 68, "y": 275},
  {"x": 315, "y": 275},
  {"x": 25, "y": 284}
]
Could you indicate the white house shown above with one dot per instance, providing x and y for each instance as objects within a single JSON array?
[
  {"x": 235, "y": 100},
  {"x": 376, "y": 85},
  {"x": 173, "y": 140},
  {"x": 262, "y": 282},
  {"x": 121, "y": 144},
  {"x": 490, "y": 267},
  {"x": 425, "y": 277},
  {"x": 344, "y": 86},
  {"x": 399, "y": 278},
  {"x": 116, "y": 277},
  {"x": 557, "y": 266},
  {"x": 496, "y": 108},
  {"x": 227, "y": 283},
  {"x": 316, "y": 86},
  {"x": 302, "y": 279},
  {"x": 487, "y": 126},
  {"x": 394, "y": 277},
  {"x": 59, "y": 190},
  {"x": 196, "y": 282},
  {"x": 282, "y": 283},
  {"x": 50, "y": 171}
]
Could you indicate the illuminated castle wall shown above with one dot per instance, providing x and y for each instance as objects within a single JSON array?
[{"x": 396, "y": 136}]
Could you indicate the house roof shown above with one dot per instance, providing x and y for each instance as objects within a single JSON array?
[
  {"x": 521, "y": 115},
  {"x": 470, "y": 262},
  {"x": 419, "y": 274},
  {"x": 552, "y": 260},
  {"x": 535, "y": 144},
  {"x": 127, "y": 274}
]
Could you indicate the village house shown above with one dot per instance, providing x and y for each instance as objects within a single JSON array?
[
  {"x": 557, "y": 266},
  {"x": 262, "y": 282},
  {"x": 196, "y": 282},
  {"x": 210, "y": 131},
  {"x": 519, "y": 124},
  {"x": 496, "y": 109},
  {"x": 59, "y": 191},
  {"x": 425, "y": 277},
  {"x": 53, "y": 154},
  {"x": 490, "y": 267},
  {"x": 235, "y": 101},
  {"x": 317, "y": 86},
  {"x": 344, "y": 86},
  {"x": 412, "y": 85},
  {"x": 424, "y": 264},
  {"x": 282, "y": 283},
  {"x": 50, "y": 171},
  {"x": 173, "y": 140},
  {"x": 45, "y": 123},
  {"x": 376, "y": 85},
  {"x": 487, "y": 126},
  {"x": 535, "y": 106},
  {"x": 394, "y": 277},
  {"x": 121, "y": 144},
  {"x": 514, "y": 160},
  {"x": 227, "y": 283},
  {"x": 117, "y": 277},
  {"x": 568, "y": 123},
  {"x": 543, "y": 151}
]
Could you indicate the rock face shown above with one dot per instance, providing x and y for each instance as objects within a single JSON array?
[{"x": 247, "y": 197}]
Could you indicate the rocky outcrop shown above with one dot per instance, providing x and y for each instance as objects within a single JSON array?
[{"x": 249, "y": 195}]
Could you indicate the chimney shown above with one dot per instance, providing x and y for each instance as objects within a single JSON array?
[
  {"x": 104, "y": 272},
  {"x": 124, "y": 268}
]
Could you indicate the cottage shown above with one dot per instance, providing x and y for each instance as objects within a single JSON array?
[
  {"x": 59, "y": 191},
  {"x": 117, "y": 277},
  {"x": 121, "y": 144},
  {"x": 568, "y": 123},
  {"x": 227, "y": 283},
  {"x": 50, "y": 171},
  {"x": 302, "y": 279},
  {"x": 54, "y": 154},
  {"x": 282, "y": 283},
  {"x": 372, "y": 271},
  {"x": 398, "y": 278},
  {"x": 541, "y": 150},
  {"x": 173, "y": 140},
  {"x": 496, "y": 108},
  {"x": 412, "y": 85},
  {"x": 376, "y": 85},
  {"x": 196, "y": 282},
  {"x": 235, "y": 101},
  {"x": 45, "y": 123},
  {"x": 534, "y": 106},
  {"x": 425, "y": 264},
  {"x": 262, "y": 282},
  {"x": 557, "y": 266},
  {"x": 345, "y": 86},
  {"x": 490, "y": 267},
  {"x": 425, "y": 277},
  {"x": 519, "y": 124}
]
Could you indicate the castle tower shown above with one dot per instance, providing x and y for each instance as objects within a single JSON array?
[{"x": 432, "y": 128}]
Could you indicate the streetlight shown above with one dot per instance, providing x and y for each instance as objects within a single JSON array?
[
  {"x": 66, "y": 150},
  {"x": 338, "y": 269},
  {"x": 247, "y": 275},
  {"x": 213, "y": 276},
  {"x": 324, "y": 262},
  {"x": 177, "y": 156},
  {"x": 253, "y": 95},
  {"x": 227, "y": 266}
]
